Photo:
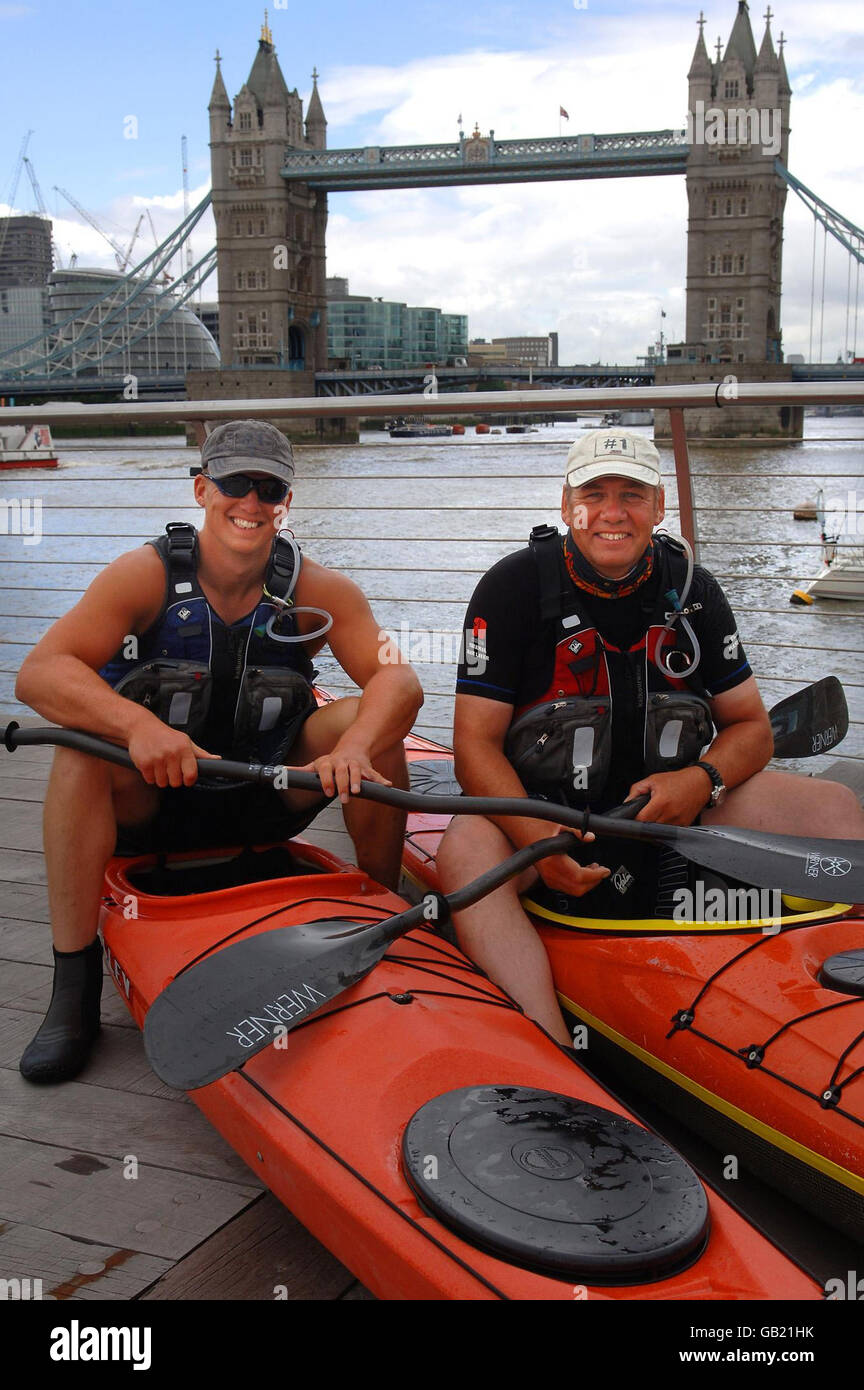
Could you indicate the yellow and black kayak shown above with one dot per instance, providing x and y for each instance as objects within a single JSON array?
[{"x": 751, "y": 1032}]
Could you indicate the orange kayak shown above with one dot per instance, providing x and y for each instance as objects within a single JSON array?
[
  {"x": 750, "y": 1034},
  {"x": 437, "y": 1141}
]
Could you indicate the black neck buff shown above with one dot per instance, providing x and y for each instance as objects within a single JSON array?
[{"x": 585, "y": 576}]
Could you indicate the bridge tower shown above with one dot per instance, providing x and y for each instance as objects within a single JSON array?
[
  {"x": 270, "y": 235},
  {"x": 738, "y": 124},
  {"x": 735, "y": 228}
]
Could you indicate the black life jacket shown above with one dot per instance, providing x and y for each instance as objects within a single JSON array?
[
  {"x": 607, "y": 717},
  {"x": 172, "y": 666}
]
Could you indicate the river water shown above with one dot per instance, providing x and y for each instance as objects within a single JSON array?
[{"x": 416, "y": 522}]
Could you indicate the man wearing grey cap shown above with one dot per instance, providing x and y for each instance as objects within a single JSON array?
[
  {"x": 608, "y": 662},
  {"x": 199, "y": 644}
]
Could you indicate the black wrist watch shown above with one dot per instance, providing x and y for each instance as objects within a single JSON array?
[{"x": 718, "y": 789}]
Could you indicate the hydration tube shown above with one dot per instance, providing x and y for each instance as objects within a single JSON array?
[
  {"x": 285, "y": 603},
  {"x": 676, "y": 614}
]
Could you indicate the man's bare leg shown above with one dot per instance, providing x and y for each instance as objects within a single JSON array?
[
  {"x": 496, "y": 932},
  {"x": 85, "y": 801},
  {"x": 377, "y": 831},
  {"x": 788, "y": 804}
]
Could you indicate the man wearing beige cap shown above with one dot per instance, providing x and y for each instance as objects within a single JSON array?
[
  {"x": 199, "y": 644},
  {"x": 609, "y": 661}
]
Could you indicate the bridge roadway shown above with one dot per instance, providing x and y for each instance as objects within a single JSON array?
[
  {"x": 483, "y": 159},
  {"x": 404, "y": 381}
]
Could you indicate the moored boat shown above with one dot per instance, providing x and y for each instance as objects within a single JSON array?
[
  {"x": 27, "y": 446},
  {"x": 842, "y": 574},
  {"x": 408, "y": 427}
]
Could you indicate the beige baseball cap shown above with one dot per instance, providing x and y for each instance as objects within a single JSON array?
[{"x": 612, "y": 453}]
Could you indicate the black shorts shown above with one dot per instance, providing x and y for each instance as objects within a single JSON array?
[{"x": 200, "y": 817}]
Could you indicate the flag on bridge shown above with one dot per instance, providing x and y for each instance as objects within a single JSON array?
[{"x": 563, "y": 113}]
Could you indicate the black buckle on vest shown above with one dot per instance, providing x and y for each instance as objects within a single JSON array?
[
  {"x": 280, "y": 569},
  {"x": 545, "y": 543},
  {"x": 182, "y": 542}
]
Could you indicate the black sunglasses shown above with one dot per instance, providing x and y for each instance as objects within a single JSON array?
[{"x": 240, "y": 485}]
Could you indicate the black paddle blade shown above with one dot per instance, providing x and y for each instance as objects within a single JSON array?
[
  {"x": 811, "y": 721},
  {"x": 236, "y": 1002},
  {"x": 830, "y": 870}
]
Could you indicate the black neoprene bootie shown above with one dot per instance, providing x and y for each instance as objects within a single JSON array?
[{"x": 62, "y": 1045}]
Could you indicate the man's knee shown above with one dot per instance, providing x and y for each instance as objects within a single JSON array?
[
  {"x": 325, "y": 726},
  {"x": 467, "y": 841}
]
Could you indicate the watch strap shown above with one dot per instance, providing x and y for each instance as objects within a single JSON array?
[{"x": 717, "y": 783}]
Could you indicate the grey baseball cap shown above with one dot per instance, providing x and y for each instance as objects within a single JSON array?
[{"x": 248, "y": 446}]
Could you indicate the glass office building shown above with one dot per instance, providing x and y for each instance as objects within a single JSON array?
[{"x": 369, "y": 333}]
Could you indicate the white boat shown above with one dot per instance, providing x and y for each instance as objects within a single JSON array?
[
  {"x": 23, "y": 446},
  {"x": 842, "y": 575}
]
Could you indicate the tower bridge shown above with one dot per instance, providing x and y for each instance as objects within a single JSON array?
[
  {"x": 272, "y": 175},
  {"x": 266, "y": 196}
]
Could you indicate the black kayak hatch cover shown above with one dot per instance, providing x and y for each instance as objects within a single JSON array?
[
  {"x": 844, "y": 972},
  {"x": 554, "y": 1184},
  {"x": 434, "y": 777}
]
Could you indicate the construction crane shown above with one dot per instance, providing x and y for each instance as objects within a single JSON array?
[
  {"x": 121, "y": 256},
  {"x": 166, "y": 277},
  {"x": 184, "y": 149},
  {"x": 43, "y": 211},
  {"x": 128, "y": 256},
  {"x": 34, "y": 183},
  {"x": 10, "y": 201}
]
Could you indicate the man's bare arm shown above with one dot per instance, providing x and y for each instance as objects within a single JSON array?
[
  {"x": 60, "y": 677},
  {"x": 479, "y": 730}
]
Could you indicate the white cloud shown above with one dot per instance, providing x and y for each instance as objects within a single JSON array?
[{"x": 594, "y": 259}]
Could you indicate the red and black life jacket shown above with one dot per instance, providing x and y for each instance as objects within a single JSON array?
[{"x": 577, "y": 741}]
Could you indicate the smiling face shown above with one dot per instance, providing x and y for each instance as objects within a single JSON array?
[
  {"x": 244, "y": 524},
  {"x": 611, "y": 520}
]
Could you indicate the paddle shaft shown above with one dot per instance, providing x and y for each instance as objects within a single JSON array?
[
  {"x": 435, "y": 906},
  {"x": 812, "y": 867}
]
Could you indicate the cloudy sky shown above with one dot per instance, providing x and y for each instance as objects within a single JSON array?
[{"x": 595, "y": 260}]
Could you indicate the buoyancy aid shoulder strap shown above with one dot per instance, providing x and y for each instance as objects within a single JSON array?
[
  {"x": 545, "y": 545},
  {"x": 178, "y": 551},
  {"x": 673, "y": 558},
  {"x": 283, "y": 568}
]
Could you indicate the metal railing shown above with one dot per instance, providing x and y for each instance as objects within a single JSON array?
[{"x": 727, "y": 395}]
